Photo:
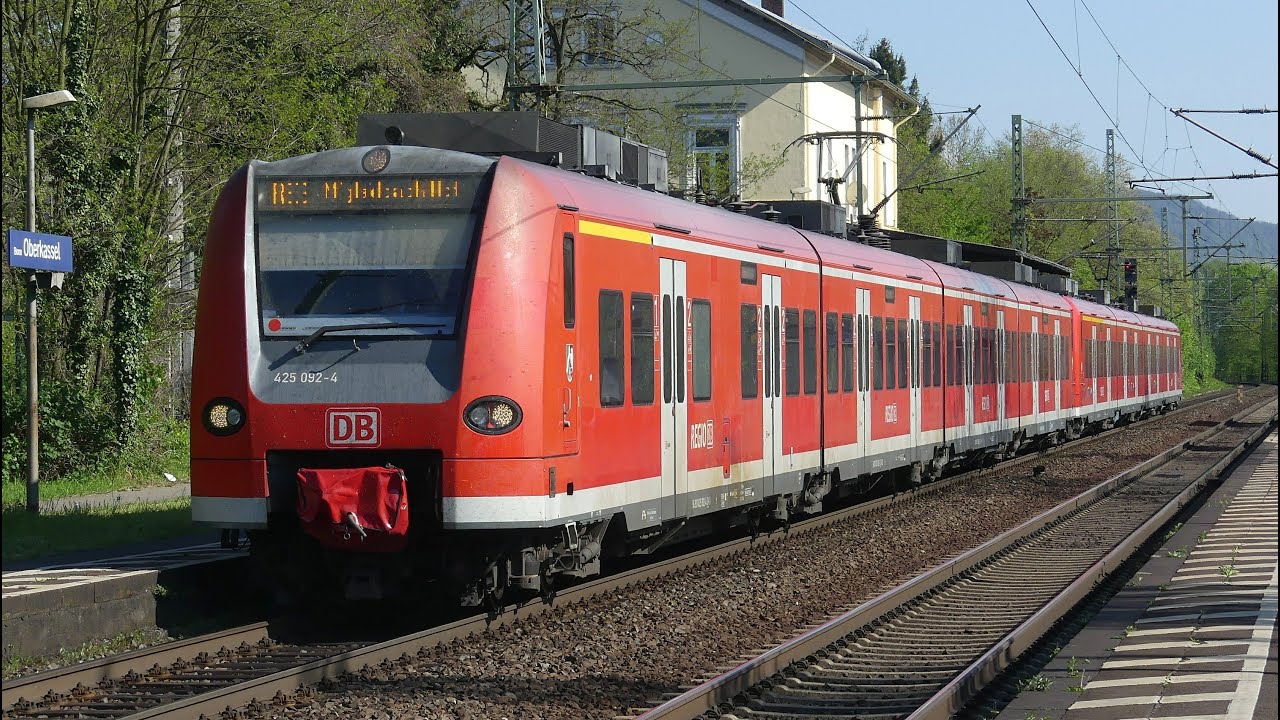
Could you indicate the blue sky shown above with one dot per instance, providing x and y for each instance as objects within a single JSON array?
[{"x": 1188, "y": 54}]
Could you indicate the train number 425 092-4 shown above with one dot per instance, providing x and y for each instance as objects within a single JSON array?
[{"x": 305, "y": 377}]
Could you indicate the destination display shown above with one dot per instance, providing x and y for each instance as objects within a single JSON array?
[{"x": 317, "y": 194}]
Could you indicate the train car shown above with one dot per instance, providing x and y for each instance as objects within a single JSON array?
[{"x": 417, "y": 365}]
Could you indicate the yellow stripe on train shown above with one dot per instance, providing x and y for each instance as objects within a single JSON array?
[{"x": 615, "y": 231}]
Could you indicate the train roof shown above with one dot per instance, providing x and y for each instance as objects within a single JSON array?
[
  {"x": 663, "y": 214},
  {"x": 1105, "y": 311}
]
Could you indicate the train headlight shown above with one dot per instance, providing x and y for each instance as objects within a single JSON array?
[
  {"x": 492, "y": 415},
  {"x": 223, "y": 416}
]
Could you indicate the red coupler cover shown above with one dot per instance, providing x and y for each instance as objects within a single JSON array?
[{"x": 363, "y": 509}]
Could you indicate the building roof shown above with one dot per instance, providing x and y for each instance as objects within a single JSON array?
[{"x": 789, "y": 30}]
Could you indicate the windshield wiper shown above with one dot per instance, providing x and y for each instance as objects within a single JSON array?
[{"x": 301, "y": 347}]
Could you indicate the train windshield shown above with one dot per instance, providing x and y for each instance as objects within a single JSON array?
[{"x": 403, "y": 268}]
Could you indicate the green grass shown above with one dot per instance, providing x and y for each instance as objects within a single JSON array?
[
  {"x": 27, "y": 535},
  {"x": 132, "y": 469},
  {"x": 15, "y": 665}
]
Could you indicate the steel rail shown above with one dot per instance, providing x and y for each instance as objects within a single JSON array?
[
  {"x": 711, "y": 693},
  {"x": 65, "y": 680}
]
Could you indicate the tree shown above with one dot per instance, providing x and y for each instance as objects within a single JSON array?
[{"x": 172, "y": 98}]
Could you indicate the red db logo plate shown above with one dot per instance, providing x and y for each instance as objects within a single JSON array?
[{"x": 353, "y": 427}]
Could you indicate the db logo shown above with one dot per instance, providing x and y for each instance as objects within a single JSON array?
[{"x": 352, "y": 427}]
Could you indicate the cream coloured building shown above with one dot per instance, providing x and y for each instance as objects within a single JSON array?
[{"x": 764, "y": 141}]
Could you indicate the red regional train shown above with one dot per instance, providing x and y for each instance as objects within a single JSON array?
[{"x": 414, "y": 363}]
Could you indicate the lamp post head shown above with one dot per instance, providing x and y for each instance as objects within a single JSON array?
[{"x": 48, "y": 100}]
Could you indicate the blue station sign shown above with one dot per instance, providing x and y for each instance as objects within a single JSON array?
[{"x": 38, "y": 251}]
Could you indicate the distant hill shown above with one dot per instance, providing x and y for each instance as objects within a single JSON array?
[{"x": 1259, "y": 239}]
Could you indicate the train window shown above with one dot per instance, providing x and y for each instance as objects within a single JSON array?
[
  {"x": 877, "y": 353},
  {"x": 611, "y": 359},
  {"x": 846, "y": 352},
  {"x": 681, "y": 367},
  {"x": 641, "y": 349},
  {"x": 770, "y": 341},
  {"x": 570, "y": 301},
  {"x": 750, "y": 335},
  {"x": 937, "y": 355},
  {"x": 748, "y": 273},
  {"x": 904, "y": 349},
  {"x": 983, "y": 308},
  {"x": 962, "y": 354},
  {"x": 951, "y": 365},
  {"x": 991, "y": 355},
  {"x": 792, "y": 336},
  {"x": 890, "y": 353},
  {"x": 701, "y": 349},
  {"x": 666, "y": 348},
  {"x": 810, "y": 352},
  {"x": 926, "y": 355},
  {"x": 980, "y": 356},
  {"x": 890, "y": 292},
  {"x": 833, "y": 352}
]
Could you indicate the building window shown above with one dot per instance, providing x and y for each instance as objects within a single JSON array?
[
  {"x": 642, "y": 354},
  {"x": 600, "y": 36},
  {"x": 713, "y": 143}
]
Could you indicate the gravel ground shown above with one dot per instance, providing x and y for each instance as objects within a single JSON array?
[{"x": 600, "y": 658}]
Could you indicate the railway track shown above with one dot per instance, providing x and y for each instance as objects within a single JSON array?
[
  {"x": 924, "y": 649},
  {"x": 244, "y": 668}
]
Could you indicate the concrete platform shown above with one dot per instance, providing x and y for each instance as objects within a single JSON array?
[
  {"x": 1193, "y": 635},
  {"x": 62, "y": 606}
]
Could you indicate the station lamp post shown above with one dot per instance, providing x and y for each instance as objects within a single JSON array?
[{"x": 31, "y": 105}]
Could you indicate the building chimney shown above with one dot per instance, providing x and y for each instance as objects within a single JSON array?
[{"x": 773, "y": 6}]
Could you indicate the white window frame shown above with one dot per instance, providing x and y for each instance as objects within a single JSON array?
[{"x": 730, "y": 121}]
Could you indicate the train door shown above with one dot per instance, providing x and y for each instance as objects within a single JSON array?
[
  {"x": 1111, "y": 393},
  {"x": 771, "y": 291},
  {"x": 1124, "y": 361},
  {"x": 913, "y": 337},
  {"x": 864, "y": 371},
  {"x": 1093, "y": 364},
  {"x": 1001, "y": 369},
  {"x": 1059, "y": 361},
  {"x": 967, "y": 335},
  {"x": 1035, "y": 368},
  {"x": 675, "y": 411}
]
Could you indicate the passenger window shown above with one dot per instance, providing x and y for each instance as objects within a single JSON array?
[
  {"x": 891, "y": 353},
  {"x": 833, "y": 352},
  {"x": 641, "y": 349},
  {"x": 877, "y": 353},
  {"x": 701, "y": 349},
  {"x": 951, "y": 365},
  {"x": 570, "y": 297},
  {"x": 611, "y": 362},
  {"x": 750, "y": 340},
  {"x": 926, "y": 354},
  {"x": 792, "y": 336},
  {"x": 904, "y": 353},
  {"x": 937, "y": 355},
  {"x": 810, "y": 352},
  {"x": 846, "y": 353},
  {"x": 770, "y": 342}
]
